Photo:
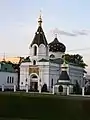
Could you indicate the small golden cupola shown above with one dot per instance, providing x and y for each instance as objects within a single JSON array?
[{"x": 40, "y": 20}]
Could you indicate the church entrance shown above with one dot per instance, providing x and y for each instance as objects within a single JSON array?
[
  {"x": 33, "y": 83},
  {"x": 34, "y": 86}
]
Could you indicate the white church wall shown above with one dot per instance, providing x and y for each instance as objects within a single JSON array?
[
  {"x": 64, "y": 89},
  {"x": 75, "y": 73},
  {"x": 47, "y": 51},
  {"x": 54, "y": 73},
  {"x": 32, "y": 51},
  {"x": 24, "y": 72},
  {"x": 41, "y": 51},
  {"x": 43, "y": 63},
  {"x": 44, "y": 74},
  {"x": 8, "y": 79}
]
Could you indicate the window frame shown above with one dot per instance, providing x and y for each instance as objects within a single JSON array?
[{"x": 35, "y": 50}]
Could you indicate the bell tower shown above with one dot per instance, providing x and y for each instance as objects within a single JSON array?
[{"x": 39, "y": 46}]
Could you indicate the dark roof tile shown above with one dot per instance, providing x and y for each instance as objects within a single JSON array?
[
  {"x": 39, "y": 37},
  {"x": 56, "y": 46},
  {"x": 64, "y": 76}
]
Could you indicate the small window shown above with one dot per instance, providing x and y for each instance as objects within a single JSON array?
[
  {"x": 34, "y": 62},
  {"x": 52, "y": 56},
  {"x": 35, "y": 50},
  {"x": 8, "y": 79},
  {"x": 12, "y": 79},
  {"x": 26, "y": 79},
  {"x": 5, "y": 69}
]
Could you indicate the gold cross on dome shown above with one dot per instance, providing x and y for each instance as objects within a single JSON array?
[{"x": 40, "y": 19}]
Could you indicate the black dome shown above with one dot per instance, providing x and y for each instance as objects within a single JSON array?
[
  {"x": 39, "y": 37},
  {"x": 56, "y": 46}
]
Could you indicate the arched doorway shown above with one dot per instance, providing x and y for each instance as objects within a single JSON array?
[
  {"x": 34, "y": 82},
  {"x": 60, "y": 88}
]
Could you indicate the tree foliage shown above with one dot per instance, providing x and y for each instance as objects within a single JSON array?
[
  {"x": 76, "y": 59},
  {"x": 44, "y": 88}
]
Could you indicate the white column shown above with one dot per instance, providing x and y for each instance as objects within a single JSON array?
[
  {"x": 67, "y": 90},
  {"x": 41, "y": 73},
  {"x": 40, "y": 86},
  {"x": 82, "y": 91},
  {"x": 2, "y": 87},
  {"x": 53, "y": 89},
  {"x": 27, "y": 88},
  {"x": 14, "y": 88}
]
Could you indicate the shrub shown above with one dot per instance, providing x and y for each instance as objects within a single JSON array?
[{"x": 44, "y": 88}]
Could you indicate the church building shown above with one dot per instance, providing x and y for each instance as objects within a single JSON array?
[{"x": 43, "y": 66}]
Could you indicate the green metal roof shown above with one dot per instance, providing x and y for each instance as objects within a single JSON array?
[
  {"x": 6, "y": 67},
  {"x": 57, "y": 61}
]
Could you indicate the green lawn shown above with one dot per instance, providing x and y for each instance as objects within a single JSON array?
[{"x": 21, "y": 106}]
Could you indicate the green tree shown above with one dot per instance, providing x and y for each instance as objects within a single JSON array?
[{"x": 76, "y": 59}]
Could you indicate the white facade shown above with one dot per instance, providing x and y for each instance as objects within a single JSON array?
[
  {"x": 48, "y": 73},
  {"x": 56, "y": 89},
  {"x": 8, "y": 79},
  {"x": 40, "y": 70},
  {"x": 42, "y": 52},
  {"x": 76, "y": 74}
]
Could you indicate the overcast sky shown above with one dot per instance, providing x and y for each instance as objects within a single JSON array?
[{"x": 69, "y": 18}]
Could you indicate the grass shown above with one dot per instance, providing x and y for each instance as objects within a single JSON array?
[{"x": 21, "y": 106}]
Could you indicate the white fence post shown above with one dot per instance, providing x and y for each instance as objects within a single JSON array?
[
  {"x": 14, "y": 88},
  {"x": 2, "y": 87},
  {"x": 53, "y": 89},
  {"x": 67, "y": 90},
  {"x": 82, "y": 91},
  {"x": 27, "y": 88},
  {"x": 40, "y": 88}
]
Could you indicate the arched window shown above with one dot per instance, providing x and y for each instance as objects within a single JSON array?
[
  {"x": 26, "y": 79},
  {"x": 52, "y": 83},
  {"x": 60, "y": 88},
  {"x": 34, "y": 62},
  {"x": 35, "y": 50},
  {"x": 52, "y": 56},
  {"x": 8, "y": 79}
]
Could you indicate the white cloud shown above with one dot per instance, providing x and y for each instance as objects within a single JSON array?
[{"x": 73, "y": 33}]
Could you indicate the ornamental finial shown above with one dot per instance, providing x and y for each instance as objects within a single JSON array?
[{"x": 40, "y": 19}]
